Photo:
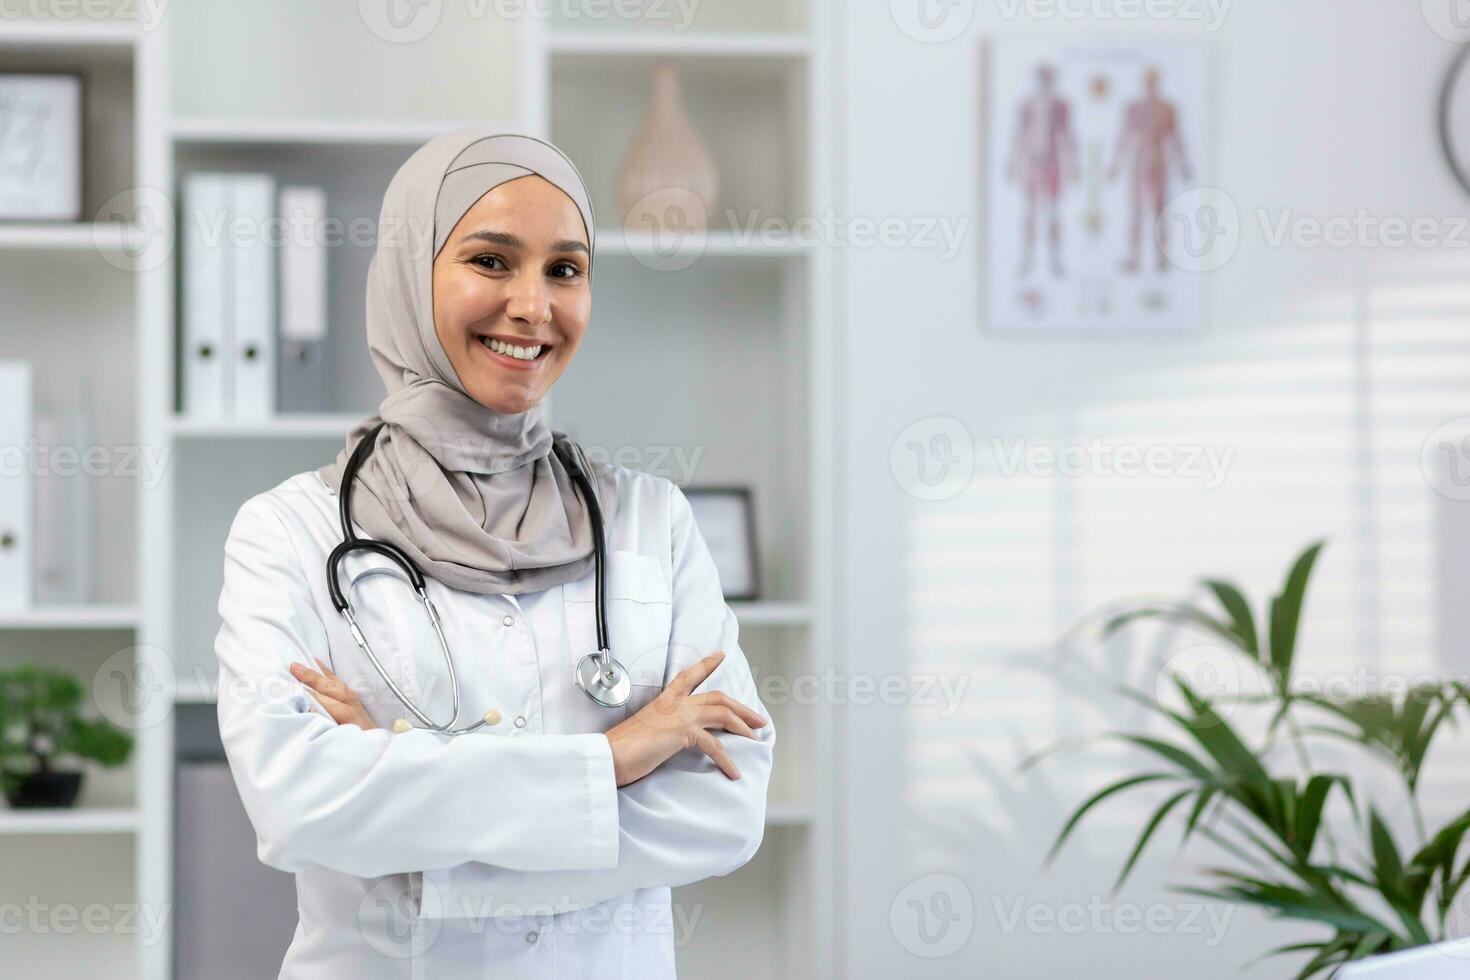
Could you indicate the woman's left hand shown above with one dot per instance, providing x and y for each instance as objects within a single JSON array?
[{"x": 340, "y": 700}]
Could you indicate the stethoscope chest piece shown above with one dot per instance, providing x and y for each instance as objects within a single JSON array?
[{"x": 604, "y": 680}]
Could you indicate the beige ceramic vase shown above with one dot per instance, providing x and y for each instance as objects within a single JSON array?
[{"x": 667, "y": 181}]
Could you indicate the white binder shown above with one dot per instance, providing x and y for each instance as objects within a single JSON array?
[
  {"x": 208, "y": 200},
  {"x": 16, "y": 488},
  {"x": 254, "y": 267},
  {"x": 301, "y": 380}
]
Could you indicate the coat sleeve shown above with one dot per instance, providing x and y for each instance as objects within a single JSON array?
[
  {"x": 686, "y": 820},
  {"x": 371, "y": 803}
]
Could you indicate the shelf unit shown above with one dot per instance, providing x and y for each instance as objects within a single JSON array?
[
  {"x": 757, "y": 76},
  {"x": 765, "y": 343},
  {"x": 73, "y": 309}
]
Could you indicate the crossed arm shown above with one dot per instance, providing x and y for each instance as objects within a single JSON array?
[{"x": 368, "y": 802}]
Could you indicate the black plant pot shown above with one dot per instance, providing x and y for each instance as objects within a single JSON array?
[{"x": 43, "y": 789}]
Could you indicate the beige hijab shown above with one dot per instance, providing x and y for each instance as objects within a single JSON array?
[{"x": 475, "y": 497}]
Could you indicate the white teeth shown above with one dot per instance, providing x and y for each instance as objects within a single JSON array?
[{"x": 511, "y": 350}]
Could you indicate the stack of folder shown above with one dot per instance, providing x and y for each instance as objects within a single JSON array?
[{"x": 254, "y": 297}]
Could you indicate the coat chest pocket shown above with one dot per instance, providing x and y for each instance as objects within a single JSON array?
[{"x": 639, "y": 620}]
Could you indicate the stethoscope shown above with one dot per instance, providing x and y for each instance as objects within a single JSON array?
[{"x": 599, "y": 674}]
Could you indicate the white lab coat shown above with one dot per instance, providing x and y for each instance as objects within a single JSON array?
[{"x": 509, "y": 852}]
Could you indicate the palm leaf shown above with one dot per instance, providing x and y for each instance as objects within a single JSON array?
[{"x": 1286, "y": 611}]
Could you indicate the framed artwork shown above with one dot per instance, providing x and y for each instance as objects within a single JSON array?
[
  {"x": 726, "y": 519},
  {"x": 1092, "y": 151},
  {"x": 40, "y": 147}
]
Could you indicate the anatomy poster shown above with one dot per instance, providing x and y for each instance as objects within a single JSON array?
[{"x": 1088, "y": 146}]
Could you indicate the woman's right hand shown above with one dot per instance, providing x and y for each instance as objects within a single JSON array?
[{"x": 676, "y": 720}]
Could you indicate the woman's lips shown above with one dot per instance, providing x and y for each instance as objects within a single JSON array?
[{"x": 506, "y": 360}]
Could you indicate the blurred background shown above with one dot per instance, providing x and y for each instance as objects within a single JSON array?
[{"x": 971, "y": 328}]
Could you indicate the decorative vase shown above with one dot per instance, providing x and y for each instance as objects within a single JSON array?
[
  {"x": 667, "y": 181},
  {"x": 42, "y": 789}
]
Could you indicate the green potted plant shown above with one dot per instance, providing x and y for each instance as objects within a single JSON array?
[
  {"x": 43, "y": 734},
  {"x": 1376, "y": 896}
]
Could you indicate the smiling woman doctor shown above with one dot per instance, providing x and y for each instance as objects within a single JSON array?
[{"x": 544, "y": 841}]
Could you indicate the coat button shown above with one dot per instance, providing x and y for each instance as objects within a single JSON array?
[
  {"x": 532, "y": 936},
  {"x": 508, "y": 620},
  {"x": 520, "y": 721}
]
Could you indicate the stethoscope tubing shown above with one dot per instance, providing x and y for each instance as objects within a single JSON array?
[{"x": 608, "y": 668}]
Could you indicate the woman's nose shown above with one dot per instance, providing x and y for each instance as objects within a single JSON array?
[{"x": 529, "y": 301}]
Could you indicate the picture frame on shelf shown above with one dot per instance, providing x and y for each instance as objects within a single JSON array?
[
  {"x": 40, "y": 146},
  {"x": 726, "y": 519}
]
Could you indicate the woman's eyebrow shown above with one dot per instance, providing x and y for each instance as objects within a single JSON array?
[{"x": 514, "y": 241}]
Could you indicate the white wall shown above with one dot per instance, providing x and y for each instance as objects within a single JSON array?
[{"x": 1322, "y": 369}]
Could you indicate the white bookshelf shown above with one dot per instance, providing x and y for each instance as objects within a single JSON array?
[
  {"x": 74, "y": 311},
  {"x": 62, "y": 617},
  {"x": 758, "y": 77},
  {"x": 86, "y": 820},
  {"x": 754, "y": 85}
]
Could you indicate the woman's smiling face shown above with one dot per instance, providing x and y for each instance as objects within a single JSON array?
[{"x": 513, "y": 274}]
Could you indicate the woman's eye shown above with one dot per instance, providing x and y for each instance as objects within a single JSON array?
[
  {"x": 565, "y": 270},
  {"x": 486, "y": 261}
]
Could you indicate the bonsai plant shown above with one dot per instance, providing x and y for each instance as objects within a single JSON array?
[
  {"x": 41, "y": 728},
  {"x": 1376, "y": 897}
]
